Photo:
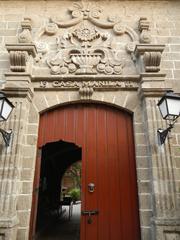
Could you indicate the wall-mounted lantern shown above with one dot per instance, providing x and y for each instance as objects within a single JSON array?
[
  {"x": 169, "y": 106},
  {"x": 6, "y": 108}
]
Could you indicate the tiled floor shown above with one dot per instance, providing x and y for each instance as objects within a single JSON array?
[{"x": 63, "y": 229}]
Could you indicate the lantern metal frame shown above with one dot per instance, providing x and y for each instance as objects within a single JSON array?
[
  {"x": 163, "y": 133},
  {"x": 7, "y": 135}
]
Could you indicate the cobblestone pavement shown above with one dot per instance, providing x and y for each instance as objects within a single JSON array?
[{"x": 63, "y": 229}]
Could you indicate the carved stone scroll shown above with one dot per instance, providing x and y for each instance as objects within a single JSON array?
[
  {"x": 18, "y": 61},
  {"x": 19, "y": 55},
  {"x": 152, "y": 61},
  {"x": 145, "y": 36},
  {"x": 86, "y": 92},
  {"x": 150, "y": 56}
]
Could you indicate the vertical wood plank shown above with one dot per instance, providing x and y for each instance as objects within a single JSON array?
[{"x": 108, "y": 160}]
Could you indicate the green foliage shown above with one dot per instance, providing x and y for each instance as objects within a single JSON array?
[
  {"x": 75, "y": 193},
  {"x": 75, "y": 173}
]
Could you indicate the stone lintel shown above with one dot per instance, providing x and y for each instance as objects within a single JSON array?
[
  {"x": 27, "y": 47},
  {"x": 52, "y": 78},
  {"x": 140, "y": 49},
  {"x": 8, "y": 222}
]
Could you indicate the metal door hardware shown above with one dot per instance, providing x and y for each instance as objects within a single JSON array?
[
  {"x": 91, "y": 187},
  {"x": 93, "y": 212},
  {"x": 90, "y": 213}
]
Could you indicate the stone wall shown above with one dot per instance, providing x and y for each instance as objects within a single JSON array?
[{"x": 35, "y": 86}]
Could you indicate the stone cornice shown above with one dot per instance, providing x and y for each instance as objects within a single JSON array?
[
  {"x": 27, "y": 47},
  {"x": 142, "y": 48},
  {"x": 18, "y": 84}
]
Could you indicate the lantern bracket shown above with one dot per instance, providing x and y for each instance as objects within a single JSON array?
[
  {"x": 6, "y": 136},
  {"x": 162, "y": 134}
]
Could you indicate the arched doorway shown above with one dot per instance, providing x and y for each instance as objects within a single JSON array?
[{"x": 109, "y": 188}]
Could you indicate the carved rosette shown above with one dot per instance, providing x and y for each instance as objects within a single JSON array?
[{"x": 145, "y": 36}]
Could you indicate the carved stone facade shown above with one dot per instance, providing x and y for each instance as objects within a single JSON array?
[{"x": 124, "y": 53}]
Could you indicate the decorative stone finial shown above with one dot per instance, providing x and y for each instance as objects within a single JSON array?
[
  {"x": 145, "y": 36},
  {"x": 25, "y": 35}
]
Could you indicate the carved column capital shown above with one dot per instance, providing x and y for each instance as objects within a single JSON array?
[
  {"x": 18, "y": 61},
  {"x": 149, "y": 56},
  {"x": 152, "y": 61},
  {"x": 19, "y": 56}
]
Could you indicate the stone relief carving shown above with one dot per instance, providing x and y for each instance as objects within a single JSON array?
[
  {"x": 85, "y": 47},
  {"x": 152, "y": 61},
  {"x": 145, "y": 36},
  {"x": 85, "y": 50},
  {"x": 25, "y": 35},
  {"x": 86, "y": 91},
  {"x": 18, "y": 61},
  {"x": 20, "y": 55},
  {"x": 150, "y": 56}
]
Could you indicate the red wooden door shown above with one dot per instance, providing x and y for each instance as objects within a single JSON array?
[{"x": 108, "y": 161}]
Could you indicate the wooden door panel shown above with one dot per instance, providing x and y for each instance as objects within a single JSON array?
[
  {"x": 108, "y": 160},
  {"x": 102, "y": 166}
]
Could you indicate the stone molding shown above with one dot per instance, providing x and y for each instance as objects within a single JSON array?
[
  {"x": 9, "y": 222},
  {"x": 153, "y": 85},
  {"x": 18, "y": 84}
]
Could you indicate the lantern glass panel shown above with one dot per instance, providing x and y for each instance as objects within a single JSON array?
[
  {"x": 173, "y": 108},
  {"x": 6, "y": 110},
  {"x": 163, "y": 108}
]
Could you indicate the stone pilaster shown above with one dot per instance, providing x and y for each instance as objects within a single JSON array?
[
  {"x": 165, "y": 223},
  {"x": 18, "y": 90}
]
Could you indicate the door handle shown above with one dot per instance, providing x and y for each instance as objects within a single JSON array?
[{"x": 90, "y": 213}]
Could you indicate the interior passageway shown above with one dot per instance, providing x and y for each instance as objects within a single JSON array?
[
  {"x": 63, "y": 229},
  {"x": 58, "y": 217}
]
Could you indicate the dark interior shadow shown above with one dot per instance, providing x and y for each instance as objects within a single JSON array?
[{"x": 57, "y": 157}]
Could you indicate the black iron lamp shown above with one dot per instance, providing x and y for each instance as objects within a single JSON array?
[
  {"x": 6, "y": 108},
  {"x": 169, "y": 106}
]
